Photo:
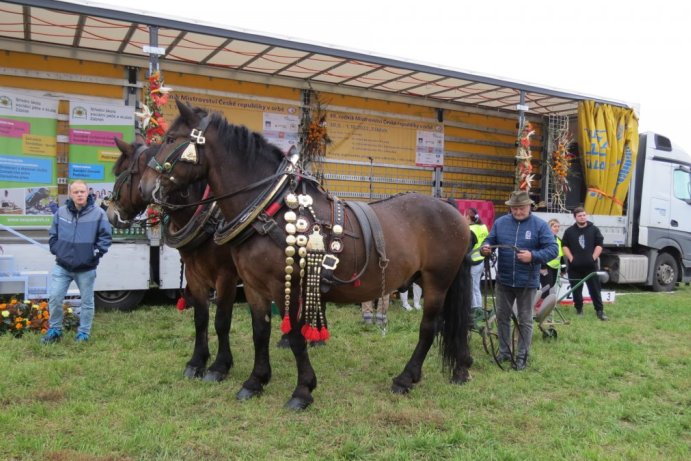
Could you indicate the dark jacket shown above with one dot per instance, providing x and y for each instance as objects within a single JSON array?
[
  {"x": 79, "y": 238},
  {"x": 581, "y": 241},
  {"x": 530, "y": 234}
]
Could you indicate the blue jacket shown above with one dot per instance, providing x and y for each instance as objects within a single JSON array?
[
  {"x": 530, "y": 234},
  {"x": 78, "y": 238}
]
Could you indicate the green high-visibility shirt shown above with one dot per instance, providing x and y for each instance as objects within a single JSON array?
[
  {"x": 481, "y": 233},
  {"x": 556, "y": 262}
]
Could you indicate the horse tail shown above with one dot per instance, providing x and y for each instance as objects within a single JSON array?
[{"x": 456, "y": 319}]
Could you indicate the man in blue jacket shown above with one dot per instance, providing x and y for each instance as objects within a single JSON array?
[
  {"x": 525, "y": 243},
  {"x": 79, "y": 236}
]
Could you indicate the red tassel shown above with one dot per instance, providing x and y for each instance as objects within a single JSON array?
[
  {"x": 357, "y": 282},
  {"x": 181, "y": 304},
  {"x": 285, "y": 325},
  {"x": 324, "y": 334},
  {"x": 273, "y": 208}
]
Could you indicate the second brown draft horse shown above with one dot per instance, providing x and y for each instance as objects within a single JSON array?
[
  {"x": 207, "y": 266},
  {"x": 362, "y": 251}
]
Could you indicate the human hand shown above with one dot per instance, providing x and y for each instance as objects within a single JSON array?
[
  {"x": 485, "y": 250},
  {"x": 524, "y": 256}
]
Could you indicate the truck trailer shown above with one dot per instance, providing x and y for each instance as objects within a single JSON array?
[{"x": 385, "y": 126}]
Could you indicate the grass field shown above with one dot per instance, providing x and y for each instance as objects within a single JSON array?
[{"x": 617, "y": 390}]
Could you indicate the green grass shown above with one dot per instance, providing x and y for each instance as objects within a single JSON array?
[{"x": 616, "y": 390}]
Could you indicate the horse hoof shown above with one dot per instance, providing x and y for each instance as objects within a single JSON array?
[
  {"x": 398, "y": 389},
  {"x": 297, "y": 404},
  {"x": 246, "y": 394},
  {"x": 215, "y": 376},
  {"x": 193, "y": 372},
  {"x": 283, "y": 343},
  {"x": 461, "y": 377}
]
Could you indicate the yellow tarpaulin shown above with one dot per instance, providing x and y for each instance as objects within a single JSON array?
[{"x": 608, "y": 137}]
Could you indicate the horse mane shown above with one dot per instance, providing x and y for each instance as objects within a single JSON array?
[{"x": 240, "y": 139}]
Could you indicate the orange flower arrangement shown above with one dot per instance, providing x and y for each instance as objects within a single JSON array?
[{"x": 16, "y": 317}]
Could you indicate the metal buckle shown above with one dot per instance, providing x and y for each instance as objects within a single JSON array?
[
  {"x": 331, "y": 263},
  {"x": 198, "y": 136}
]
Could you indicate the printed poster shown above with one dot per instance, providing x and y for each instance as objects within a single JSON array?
[
  {"x": 279, "y": 123},
  {"x": 385, "y": 139},
  {"x": 28, "y": 184},
  {"x": 92, "y": 131}
]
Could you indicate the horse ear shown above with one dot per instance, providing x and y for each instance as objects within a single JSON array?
[
  {"x": 186, "y": 111},
  {"x": 122, "y": 145}
]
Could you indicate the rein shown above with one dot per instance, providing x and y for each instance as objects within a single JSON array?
[{"x": 254, "y": 185}]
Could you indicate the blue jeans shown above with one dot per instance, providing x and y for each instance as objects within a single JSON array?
[
  {"x": 476, "y": 274},
  {"x": 59, "y": 283}
]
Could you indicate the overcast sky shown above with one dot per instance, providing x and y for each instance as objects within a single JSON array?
[{"x": 634, "y": 51}]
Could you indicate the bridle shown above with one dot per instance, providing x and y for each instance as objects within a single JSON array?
[
  {"x": 122, "y": 179},
  {"x": 126, "y": 176},
  {"x": 188, "y": 151}
]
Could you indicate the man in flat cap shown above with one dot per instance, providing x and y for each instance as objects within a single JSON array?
[{"x": 525, "y": 242}]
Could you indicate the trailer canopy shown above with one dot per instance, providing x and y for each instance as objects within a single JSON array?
[{"x": 83, "y": 31}]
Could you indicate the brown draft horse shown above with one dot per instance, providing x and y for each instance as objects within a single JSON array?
[
  {"x": 425, "y": 240},
  {"x": 207, "y": 265}
]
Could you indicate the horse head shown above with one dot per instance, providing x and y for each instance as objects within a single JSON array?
[
  {"x": 200, "y": 145},
  {"x": 125, "y": 203},
  {"x": 179, "y": 161}
]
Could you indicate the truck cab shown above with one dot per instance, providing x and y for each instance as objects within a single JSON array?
[{"x": 660, "y": 223}]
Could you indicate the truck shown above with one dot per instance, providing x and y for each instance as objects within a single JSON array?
[
  {"x": 650, "y": 244},
  {"x": 381, "y": 126}
]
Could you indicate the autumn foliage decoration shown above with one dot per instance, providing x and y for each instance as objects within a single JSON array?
[
  {"x": 524, "y": 167},
  {"x": 314, "y": 136},
  {"x": 560, "y": 163}
]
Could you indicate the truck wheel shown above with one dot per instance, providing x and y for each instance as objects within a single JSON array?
[
  {"x": 665, "y": 276},
  {"x": 118, "y": 300}
]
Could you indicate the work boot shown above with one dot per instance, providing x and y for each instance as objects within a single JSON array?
[
  {"x": 521, "y": 364},
  {"x": 601, "y": 315}
]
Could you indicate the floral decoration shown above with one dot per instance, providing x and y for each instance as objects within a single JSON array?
[
  {"x": 17, "y": 317},
  {"x": 152, "y": 124},
  {"x": 524, "y": 167},
  {"x": 314, "y": 136},
  {"x": 317, "y": 137},
  {"x": 153, "y": 215}
]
